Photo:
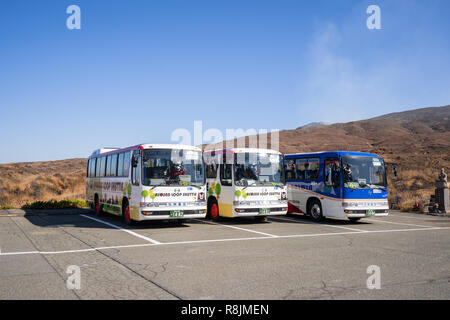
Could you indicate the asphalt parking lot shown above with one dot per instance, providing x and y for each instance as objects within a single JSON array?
[{"x": 288, "y": 257}]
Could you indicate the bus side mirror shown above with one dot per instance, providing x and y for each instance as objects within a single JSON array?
[{"x": 135, "y": 160}]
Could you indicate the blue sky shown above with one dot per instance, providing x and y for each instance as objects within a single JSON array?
[{"x": 137, "y": 70}]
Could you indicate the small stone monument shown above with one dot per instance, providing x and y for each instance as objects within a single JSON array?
[{"x": 442, "y": 192}]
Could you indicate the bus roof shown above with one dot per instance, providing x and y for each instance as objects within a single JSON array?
[
  {"x": 242, "y": 150},
  {"x": 143, "y": 146},
  {"x": 339, "y": 153}
]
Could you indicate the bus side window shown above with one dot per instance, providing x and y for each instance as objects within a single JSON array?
[
  {"x": 289, "y": 167},
  {"x": 226, "y": 174},
  {"x": 313, "y": 169},
  {"x": 97, "y": 167},
  {"x": 120, "y": 165},
  {"x": 103, "y": 167},
  {"x": 300, "y": 168},
  {"x": 126, "y": 164},
  {"x": 113, "y": 170},
  {"x": 332, "y": 172},
  {"x": 92, "y": 167},
  {"x": 108, "y": 166}
]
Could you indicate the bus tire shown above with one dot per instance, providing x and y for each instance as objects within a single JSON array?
[
  {"x": 97, "y": 209},
  {"x": 214, "y": 210},
  {"x": 315, "y": 210},
  {"x": 126, "y": 214},
  {"x": 354, "y": 219}
]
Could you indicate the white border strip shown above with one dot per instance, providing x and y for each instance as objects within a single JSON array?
[
  {"x": 120, "y": 228},
  {"x": 238, "y": 228},
  {"x": 401, "y": 223},
  {"x": 316, "y": 223}
]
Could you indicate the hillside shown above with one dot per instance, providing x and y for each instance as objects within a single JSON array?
[
  {"x": 417, "y": 142},
  {"x": 29, "y": 181}
]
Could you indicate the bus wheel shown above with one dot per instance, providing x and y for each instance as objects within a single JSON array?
[
  {"x": 214, "y": 211},
  {"x": 315, "y": 210},
  {"x": 98, "y": 211},
  {"x": 126, "y": 215},
  {"x": 354, "y": 219}
]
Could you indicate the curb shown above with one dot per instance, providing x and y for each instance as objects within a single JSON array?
[{"x": 35, "y": 212}]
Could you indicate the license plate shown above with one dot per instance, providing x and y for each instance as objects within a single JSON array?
[
  {"x": 264, "y": 210},
  {"x": 176, "y": 213},
  {"x": 370, "y": 213}
]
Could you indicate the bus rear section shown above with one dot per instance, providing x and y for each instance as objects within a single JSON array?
[
  {"x": 340, "y": 184},
  {"x": 244, "y": 182},
  {"x": 149, "y": 182}
]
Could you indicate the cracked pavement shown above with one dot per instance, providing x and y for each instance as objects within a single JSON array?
[{"x": 198, "y": 260}]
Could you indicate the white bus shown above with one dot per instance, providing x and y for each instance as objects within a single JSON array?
[
  {"x": 245, "y": 182},
  {"x": 147, "y": 182}
]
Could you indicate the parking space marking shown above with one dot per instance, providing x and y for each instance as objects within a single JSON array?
[
  {"x": 429, "y": 218},
  {"x": 238, "y": 228},
  {"x": 123, "y": 229},
  {"x": 316, "y": 223},
  {"x": 401, "y": 223},
  {"x": 222, "y": 240}
]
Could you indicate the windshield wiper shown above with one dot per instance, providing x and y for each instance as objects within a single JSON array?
[
  {"x": 376, "y": 186},
  {"x": 157, "y": 185}
]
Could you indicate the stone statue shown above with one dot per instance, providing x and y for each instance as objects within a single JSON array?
[
  {"x": 442, "y": 176},
  {"x": 442, "y": 193}
]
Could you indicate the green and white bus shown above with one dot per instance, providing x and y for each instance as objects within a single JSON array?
[
  {"x": 147, "y": 182},
  {"x": 245, "y": 182}
]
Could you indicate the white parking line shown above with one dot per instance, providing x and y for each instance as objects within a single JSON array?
[
  {"x": 221, "y": 240},
  {"x": 316, "y": 223},
  {"x": 401, "y": 223},
  {"x": 407, "y": 215},
  {"x": 238, "y": 228},
  {"x": 78, "y": 250},
  {"x": 120, "y": 228}
]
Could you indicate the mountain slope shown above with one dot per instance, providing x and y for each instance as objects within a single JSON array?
[{"x": 417, "y": 142}]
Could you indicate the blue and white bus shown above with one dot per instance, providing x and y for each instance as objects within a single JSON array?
[{"x": 339, "y": 184}]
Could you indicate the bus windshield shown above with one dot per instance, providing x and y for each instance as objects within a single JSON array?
[
  {"x": 162, "y": 167},
  {"x": 361, "y": 172},
  {"x": 257, "y": 169}
]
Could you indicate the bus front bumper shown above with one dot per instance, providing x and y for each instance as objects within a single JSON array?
[
  {"x": 259, "y": 211},
  {"x": 361, "y": 213}
]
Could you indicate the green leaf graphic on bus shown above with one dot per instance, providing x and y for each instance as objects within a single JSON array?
[
  {"x": 211, "y": 191},
  {"x": 237, "y": 193},
  {"x": 144, "y": 193},
  {"x": 218, "y": 189},
  {"x": 152, "y": 195},
  {"x": 129, "y": 189},
  {"x": 244, "y": 194}
]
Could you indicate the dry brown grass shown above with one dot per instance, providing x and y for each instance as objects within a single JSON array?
[{"x": 51, "y": 180}]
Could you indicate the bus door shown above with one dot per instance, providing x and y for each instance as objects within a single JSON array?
[
  {"x": 135, "y": 184},
  {"x": 224, "y": 191},
  {"x": 332, "y": 185}
]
